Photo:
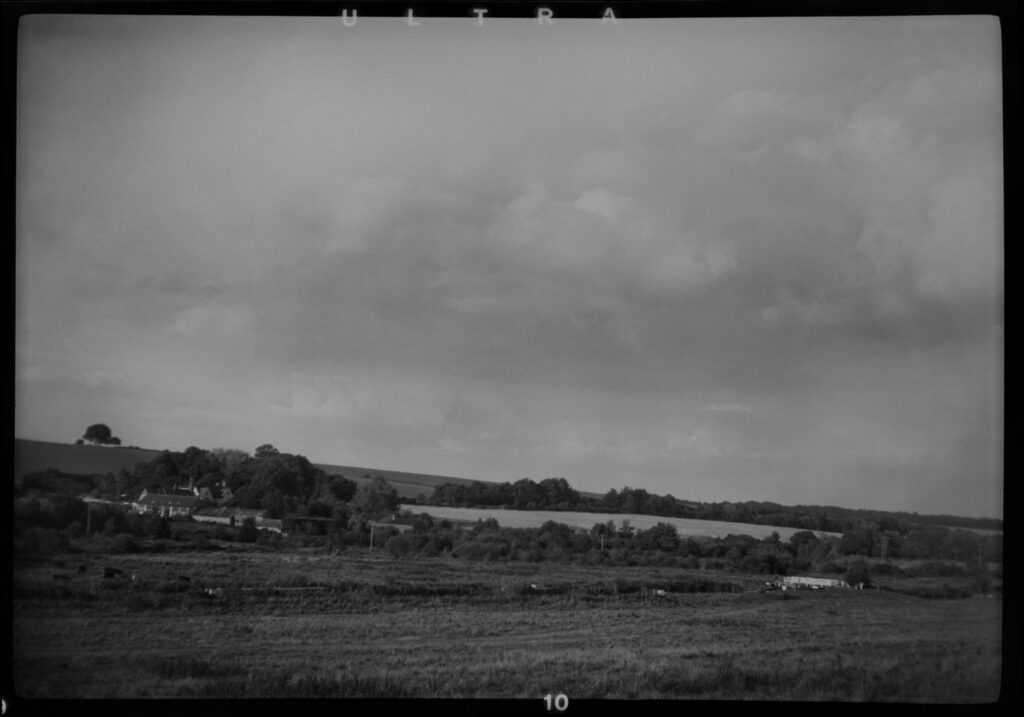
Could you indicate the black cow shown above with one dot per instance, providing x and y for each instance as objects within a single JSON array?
[{"x": 112, "y": 572}]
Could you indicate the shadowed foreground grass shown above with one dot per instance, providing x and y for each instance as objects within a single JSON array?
[{"x": 359, "y": 626}]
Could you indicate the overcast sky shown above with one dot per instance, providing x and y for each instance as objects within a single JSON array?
[{"x": 724, "y": 259}]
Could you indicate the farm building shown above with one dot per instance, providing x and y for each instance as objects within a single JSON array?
[
  {"x": 169, "y": 506},
  {"x": 795, "y": 582},
  {"x": 272, "y": 524},
  {"x": 235, "y": 516}
]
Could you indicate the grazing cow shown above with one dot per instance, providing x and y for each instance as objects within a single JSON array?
[
  {"x": 660, "y": 593},
  {"x": 61, "y": 576},
  {"x": 215, "y": 593},
  {"x": 184, "y": 579},
  {"x": 112, "y": 572}
]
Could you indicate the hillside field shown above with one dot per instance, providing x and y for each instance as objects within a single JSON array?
[
  {"x": 32, "y": 456},
  {"x": 536, "y": 518}
]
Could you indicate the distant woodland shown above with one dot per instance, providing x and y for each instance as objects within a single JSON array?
[
  {"x": 557, "y": 494},
  {"x": 50, "y": 513}
]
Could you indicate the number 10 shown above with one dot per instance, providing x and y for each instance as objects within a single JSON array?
[{"x": 559, "y": 701}]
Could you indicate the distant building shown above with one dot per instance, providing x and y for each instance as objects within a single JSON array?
[
  {"x": 235, "y": 516},
  {"x": 168, "y": 506},
  {"x": 272, "y": 524},
  {"x": 792, "y": 582}
]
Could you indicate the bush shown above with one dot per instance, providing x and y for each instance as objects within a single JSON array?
[
  {"x": 857, "y": 573},
  {"x": 123, "y": 543},
  {"x": 248, "y": 533}
]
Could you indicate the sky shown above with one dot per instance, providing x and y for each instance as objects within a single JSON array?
[{"x": 726, "y": 259}]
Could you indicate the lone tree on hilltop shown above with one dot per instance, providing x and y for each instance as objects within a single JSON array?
[
  {"x": 266, "y": 451},
  {"x": 99, "y": 434}
]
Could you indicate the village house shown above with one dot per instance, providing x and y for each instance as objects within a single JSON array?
[{"x": 168, "y": 506}]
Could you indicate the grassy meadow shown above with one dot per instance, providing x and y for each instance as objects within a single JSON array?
[{"x": 312, "y": 623}]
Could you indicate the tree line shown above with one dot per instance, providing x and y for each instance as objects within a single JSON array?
[
  {"x": 557, "y": 494},
  {"x": 48, "y": 510}
]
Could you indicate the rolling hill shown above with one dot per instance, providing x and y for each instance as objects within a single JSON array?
[{"x": 31, "y": 456}]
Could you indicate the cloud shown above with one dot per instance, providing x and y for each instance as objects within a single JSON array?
[
  {"x": 214, "y": 320},
  {"x": 393, "y": 402},
  {"x": 747, "y": 120},
  {"x": 612, "y": 207},
  {"x": 729, "y": 407}
]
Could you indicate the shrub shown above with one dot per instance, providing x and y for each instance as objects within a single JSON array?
[
  {"x": 857, "y": 573},
  {"x": 123, "y": 543},
  {"x": 248, "y": 533}
]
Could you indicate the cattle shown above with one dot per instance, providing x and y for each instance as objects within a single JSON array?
[
  {"x": 215, "y": 593},
  {"x": 184, "y": 579},
  {"x": 113, "y": 572},
  {"x": 61, "y": 576}
]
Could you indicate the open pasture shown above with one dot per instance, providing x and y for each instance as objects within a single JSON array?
[
  {"x": 33, "y": 456},
  {"x": 360, "y": 624},
  {"x": 536, "y": 518}
]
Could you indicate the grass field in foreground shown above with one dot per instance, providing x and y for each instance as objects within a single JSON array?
[
  {"x": 536, "y": 518},
  {"x": 365, "y": 625}
]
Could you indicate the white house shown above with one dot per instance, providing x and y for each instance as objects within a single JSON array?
[
  {"x": 797, "y": 582},
  {"x": 169, "y": 506}
]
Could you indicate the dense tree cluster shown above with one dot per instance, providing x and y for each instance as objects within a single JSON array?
[
  {"x": 525, "y": 494},
  {"x": 49, "y": 510},
  {"x": 279, "y": 483}
]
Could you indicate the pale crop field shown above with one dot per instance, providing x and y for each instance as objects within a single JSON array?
[{"x": 536, "y": 518}]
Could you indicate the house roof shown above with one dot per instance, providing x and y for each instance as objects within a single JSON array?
[{"x": 173, "y": 501}]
